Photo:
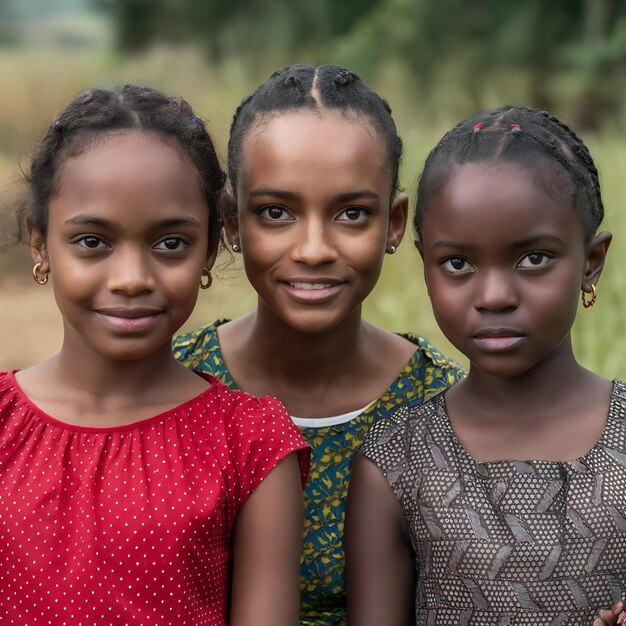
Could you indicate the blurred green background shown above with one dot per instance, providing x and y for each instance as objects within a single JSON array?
[{"x": 434, "y": 61}]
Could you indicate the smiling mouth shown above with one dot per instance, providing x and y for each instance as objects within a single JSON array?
[
  {"x": 311, "y": 286},
  {"x": 313, "y": 292}
]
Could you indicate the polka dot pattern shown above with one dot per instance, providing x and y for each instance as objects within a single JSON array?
[{"x": 130, "y": 525}]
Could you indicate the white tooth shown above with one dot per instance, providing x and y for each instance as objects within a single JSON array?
[{"x": 310, "y": 286}]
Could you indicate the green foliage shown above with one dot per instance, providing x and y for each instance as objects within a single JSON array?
[{"x": 540, "y": 42}]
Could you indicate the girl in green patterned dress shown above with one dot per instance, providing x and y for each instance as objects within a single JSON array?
[{"x": 313, "y": 164}]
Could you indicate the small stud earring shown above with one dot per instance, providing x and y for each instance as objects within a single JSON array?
[
  {"x": 391, "y": 249},
  {"x": 235, "y": 247}
]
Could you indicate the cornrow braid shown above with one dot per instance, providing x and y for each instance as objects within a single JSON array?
[
  {"x": 96, "y": 113},
  {"x": 304, "y": 87},
  {"x": 535, "y": 139}
]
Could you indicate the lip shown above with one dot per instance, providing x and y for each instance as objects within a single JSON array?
[
  {"x": 313, "y": 290},
  {"x": 498, "y": 339},
  {"x": 129, "y": 319}
]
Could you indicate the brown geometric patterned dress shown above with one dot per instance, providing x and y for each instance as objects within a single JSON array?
[{"x": 507, "y": 543}]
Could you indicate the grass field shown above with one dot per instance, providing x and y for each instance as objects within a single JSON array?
[{"x": 39, "y": 83}]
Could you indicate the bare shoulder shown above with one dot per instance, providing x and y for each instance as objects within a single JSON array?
[
  {"x": 397, "y": 349},
  {"x": 231, "y": 332},
  {"x": 37, "y": 381}
]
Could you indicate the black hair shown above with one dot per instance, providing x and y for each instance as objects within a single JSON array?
[
  {"x": 559, "y": 160},
  {"x": 97, "y": 112},
  {"x": 307, "y": 87}
]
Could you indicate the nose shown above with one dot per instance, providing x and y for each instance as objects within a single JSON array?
[
  {"x": 130, "y": 272},
  {"x": 496, "y": 292},
  {"x": 314, "y": 244}
]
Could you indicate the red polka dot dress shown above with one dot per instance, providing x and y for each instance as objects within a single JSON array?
[{"x": 130, "y": 525}]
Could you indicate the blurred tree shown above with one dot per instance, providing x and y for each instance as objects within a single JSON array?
[
  {"x": 8, "y": 32},
  {"x": 536, "y": 41}
]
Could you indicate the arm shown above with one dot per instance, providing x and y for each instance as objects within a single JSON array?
[
  {"x": 266, "y": 551},
  {"x": 380, "y": 571}
]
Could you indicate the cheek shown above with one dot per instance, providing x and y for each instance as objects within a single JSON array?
[
  {"x": 450, "y": 304},
  {"x": 180, "y": 281},
  {"x": 365, "y": 249}
]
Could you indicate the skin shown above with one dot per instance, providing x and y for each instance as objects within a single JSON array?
[
  {"x": 126, "y": 246},
  {"x": 315, "y": 208},
  {"x": 504, "y": 263}
]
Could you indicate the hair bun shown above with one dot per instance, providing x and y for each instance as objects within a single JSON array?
[
  {"x": 292, "y": 81},
  {"x": 344, "y": 77}
]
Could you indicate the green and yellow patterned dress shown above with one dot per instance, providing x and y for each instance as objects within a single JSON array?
[{"x": 334, "y": 443}]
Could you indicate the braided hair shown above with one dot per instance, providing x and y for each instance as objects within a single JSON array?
[
  {"x": 99, "y": 112},
  {"x": 560, "y": 161},
  {"x": 304, "y": 87}
]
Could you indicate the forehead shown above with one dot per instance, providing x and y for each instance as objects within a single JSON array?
[
  {"x": 133, "y": 158},
  {"x": 136, "y": 171},
  {"x": 498, "y": 202},
  {"x": 320, "y": 142},
  {"x": 133, "y": 151}
]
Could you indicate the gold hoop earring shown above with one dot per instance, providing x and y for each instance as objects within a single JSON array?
[
  {"x": 40, "y": 280},
  {"x": 206, "y": 273},
  {"x": 588, "y": 303}
]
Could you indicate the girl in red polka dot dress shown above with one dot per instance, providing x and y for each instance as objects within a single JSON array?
[{"x": 133, "y": 491}]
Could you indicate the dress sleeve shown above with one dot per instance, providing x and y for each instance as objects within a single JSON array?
[
  {"x": 387, "y": 445},
  {"x": 260, "y": 434}
]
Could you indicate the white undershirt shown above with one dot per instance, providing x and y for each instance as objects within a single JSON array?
[{"x": 321, "y": 422}]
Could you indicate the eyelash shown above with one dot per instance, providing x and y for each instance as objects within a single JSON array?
[
  {"x": 83, "y": 238},
  {"x": 546, "y": 257},
  {"x": 445, "y": 262},
  {"x": 364, "y": 216},
  {"x": 264, "y": 213},
  {"x": 178, "y": 238}
]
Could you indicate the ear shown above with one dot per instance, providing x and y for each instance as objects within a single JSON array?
[
  {"x": 398, "y": 215},
  {"x": 38, "y": 248},
  {"x": 231, "y": 230},
  {"x": 595, "y": 258}
]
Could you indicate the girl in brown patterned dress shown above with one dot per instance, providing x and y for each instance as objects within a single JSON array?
[{"x": 502, "y": 500}]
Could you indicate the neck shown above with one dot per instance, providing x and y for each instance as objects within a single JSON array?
[
  {"x": 79, "y": 367},
  {"x": 533, "y": 387},
  {"x": 301, "y": 356}
]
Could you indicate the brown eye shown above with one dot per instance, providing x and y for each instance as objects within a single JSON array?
[
  {"x": 90, "y": 241},
  {"x": 535, "y": 260},
  {"x": 275, "y": 213},
  {"x": 457, "y": 265},
  {"x": 354, "y": 214},
  {"x": 172, "y": 244}
]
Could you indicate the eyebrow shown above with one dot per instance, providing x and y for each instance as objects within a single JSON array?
[
  {"x": 522, "y": 243},
  {"x": 347, "y": 196},
  {"x": 275, "y": 193},
  {"x": 92, "y": 220}
]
